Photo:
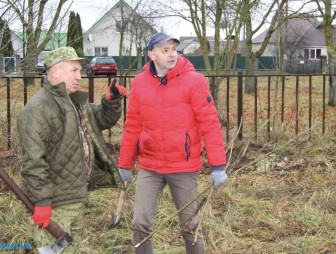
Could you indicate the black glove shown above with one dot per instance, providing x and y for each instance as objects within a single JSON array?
[{"x": 115, "y": 91}]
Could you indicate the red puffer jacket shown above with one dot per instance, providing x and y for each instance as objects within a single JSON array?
[{"x": 166, "y": 124}]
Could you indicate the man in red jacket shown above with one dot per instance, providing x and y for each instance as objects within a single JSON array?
[{"x": 170, "y": 114}]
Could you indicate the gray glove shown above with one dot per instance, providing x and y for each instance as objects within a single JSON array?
[
  {"x": 126, "y": 175},
  {"x": 218, "y": 176}
]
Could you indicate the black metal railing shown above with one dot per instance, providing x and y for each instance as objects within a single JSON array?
[{"x": 302, "y": 100}]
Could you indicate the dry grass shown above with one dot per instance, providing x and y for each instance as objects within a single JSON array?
[
  {"x": 293, "y": 118},
  {"x": 295, "y": 115},
  {"x": 280, "y": 198}
]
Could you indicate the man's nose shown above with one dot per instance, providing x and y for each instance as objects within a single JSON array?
[
  {"x": 79, "y": 75},
  {"x": 172, "y": 52}
]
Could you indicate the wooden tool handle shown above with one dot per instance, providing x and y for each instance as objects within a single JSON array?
[
  {"x": 53, "y": 228},
  {"x": 120, "y": 202}
]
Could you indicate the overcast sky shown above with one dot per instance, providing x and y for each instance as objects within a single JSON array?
[{"x": 91, "y": 10}]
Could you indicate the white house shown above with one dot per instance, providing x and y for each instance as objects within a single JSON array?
[
  {"x": 17, "y": 44},
  {"x": 103, "y": 38}
]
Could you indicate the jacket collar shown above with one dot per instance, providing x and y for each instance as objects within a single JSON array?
[
  {"x": 183, "y": 65},
  {"x": 163, "y": 80},
  {"x": 56, "y": 90},
  {"x": 79, "y": 97},
  {"x": 59, "y": 90}
]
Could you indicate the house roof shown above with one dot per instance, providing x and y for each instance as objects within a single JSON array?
[
  {"x": 308, "y": 30},
  {"x": 181, "y": 46},
  {"x": 57, "y": 39},
  {"x": 187, "y": 40},
  {"x": 222, "y": 43},
  {"x": 108, "y": 13}
]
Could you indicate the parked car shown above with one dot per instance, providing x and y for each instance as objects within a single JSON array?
[
  {"x": 40, "y": 64},
  {"x": 102, "y": 66}
]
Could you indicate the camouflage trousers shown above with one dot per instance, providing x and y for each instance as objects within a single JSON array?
[{"x": 70, "y": 217}]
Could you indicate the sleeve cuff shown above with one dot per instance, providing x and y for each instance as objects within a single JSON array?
[{"x": 218, "y": 168}]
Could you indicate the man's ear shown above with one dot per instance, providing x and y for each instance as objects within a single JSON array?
[
  {"x": 53, "y": 71},
  {"x": 151, "y": 55},
  {"x": 53, "y": 74}
]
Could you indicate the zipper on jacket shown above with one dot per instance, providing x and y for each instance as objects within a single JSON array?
[
  {"x": 187, "y": 145},
  {"x": 138, "y": 146}
]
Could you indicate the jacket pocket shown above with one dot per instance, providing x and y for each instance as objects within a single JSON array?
[{"x": 187, "y": 145}]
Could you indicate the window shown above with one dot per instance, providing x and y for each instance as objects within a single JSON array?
[
  {"x": 312, "y": 53},
  {"x": 318, "y": 53},
  {"x": 119, "y": 27},
  {"x": 105, "y": 61},
  {"x": 101, "y": 51}
]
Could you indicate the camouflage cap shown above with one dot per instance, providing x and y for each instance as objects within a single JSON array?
[{"x": 62, "y": 54}]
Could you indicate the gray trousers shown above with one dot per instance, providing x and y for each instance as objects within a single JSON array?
[{"x": 183, "y": 188}]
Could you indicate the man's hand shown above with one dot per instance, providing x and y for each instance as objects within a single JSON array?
[
  {"x": 218, "y": 176},
  {"x": 42, "y": 215},
  {"x": 115, "y": 91},
  {"x": 126, "y": 175}
]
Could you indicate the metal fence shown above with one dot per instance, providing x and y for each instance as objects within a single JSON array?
[{"x": 281, "y": 106}]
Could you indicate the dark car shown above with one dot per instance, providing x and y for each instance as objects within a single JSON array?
[
  {"x": 102, "y": 66},
  {"x": 40, "y": 64}
]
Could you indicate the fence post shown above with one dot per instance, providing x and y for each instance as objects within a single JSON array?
[
  {"x": 310, "y": 105},
  {"x": 240, "y": 105},
  {"x": 227, "y": 107},
  {"x": 9, "y": 130},
  {"x": 256, "y": 107},
  {"x": 323, "y": 105},
  {"x": 110, "y": 129},
  {"x": 297, "y": 106},
  {"x": 125, "y": 100},
  {"x": 25, "y": 91},
  {"x": 2, "y": 63},
  {"x": 269, "y": 107},
  {"x": 91, "y": 89},
  {"x": 283, "y": 100}
]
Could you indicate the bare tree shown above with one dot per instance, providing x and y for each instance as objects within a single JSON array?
[
  {"x": 328, "y": 14},
  {"x": 205, "y": 15},
  {"x": 272, "y": 11},
  {"x": 141, "y": 29},
  {"x": 230, "y": 19},
  {"x": 137, "y": 22},
  {"x": 6, "y": 47},
  {"x": 34, "y": 16},
  {"x": 134, "y": 24}
]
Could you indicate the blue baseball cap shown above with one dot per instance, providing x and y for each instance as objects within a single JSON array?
[{"x": 159, "y": 39}]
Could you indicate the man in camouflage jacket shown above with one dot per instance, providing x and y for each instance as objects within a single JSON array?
[{"x": 63, "y": 150}]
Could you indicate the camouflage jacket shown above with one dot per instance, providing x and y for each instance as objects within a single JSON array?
[{"x": 53, "y": 165}]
